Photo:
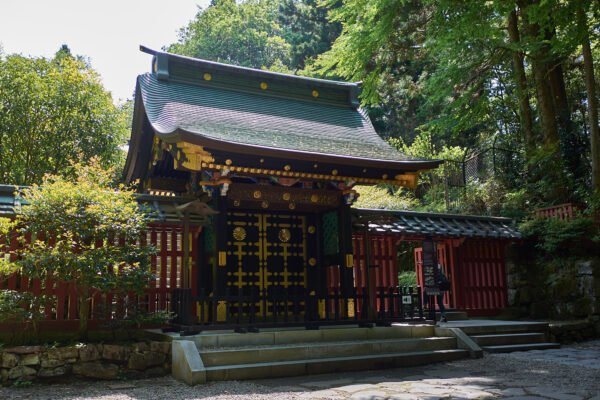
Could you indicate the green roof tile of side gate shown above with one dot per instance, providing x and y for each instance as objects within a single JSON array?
[{"x": 230, "y": 107}]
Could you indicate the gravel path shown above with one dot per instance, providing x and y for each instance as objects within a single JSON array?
[{"x": 569, "y": 373}]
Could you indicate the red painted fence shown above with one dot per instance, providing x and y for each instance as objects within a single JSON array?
[
  {"x": 167, "y": 265},
  {"x": 561, "y": 211}
]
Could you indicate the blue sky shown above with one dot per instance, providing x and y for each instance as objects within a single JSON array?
[{"x": 108, "y": 32}]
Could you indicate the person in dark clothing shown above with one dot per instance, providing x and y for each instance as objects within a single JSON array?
[{"x": 443, "y": 285}]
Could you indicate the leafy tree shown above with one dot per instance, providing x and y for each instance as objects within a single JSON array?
[
  {"x": 307, "y": 29},
  {"x": 53, "y": 112},
  {"x": 245, "y": 34},
  {"x": 477, "y": 73},
  {"x": 75, "y": 226}
]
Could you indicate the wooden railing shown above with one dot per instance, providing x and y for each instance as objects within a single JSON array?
[{"x": 561, "y": 211}]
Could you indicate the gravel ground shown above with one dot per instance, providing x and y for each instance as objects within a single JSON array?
[{"x": 494, "y": 376}]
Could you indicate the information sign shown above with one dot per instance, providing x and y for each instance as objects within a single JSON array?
[{"x": 430, "y": 268}]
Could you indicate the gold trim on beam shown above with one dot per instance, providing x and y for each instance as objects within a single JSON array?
[{"x": 408, "y": 179}]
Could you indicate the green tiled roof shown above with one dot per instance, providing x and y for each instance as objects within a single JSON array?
[
  {"x": 437, "y": 225},
  {"x": 261, "y": 120}
]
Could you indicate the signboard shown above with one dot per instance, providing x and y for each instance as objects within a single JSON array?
[
  {"x": 430, "y": 268},
  {"x": 407, "y": 299}
]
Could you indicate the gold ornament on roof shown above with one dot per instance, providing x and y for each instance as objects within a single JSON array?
[
  {"x": 191, "y": 156},
  {"x": 315, "y": 94},
  {"x": 207, "y": 76},
  {"x": 287, "y": 167},
  {"x": 314, "y": 198},
  {"x": 312, "y": 261},
  {"x": 292, "y": 206},
  {"x": 287, "y": 196},
  {"x": 264, "y": 204},
  {"x": 312, "y": 229},
  {"x": 263, "y": 85},
  {"x": 257, "y": 194},
  {"x": 284, "y": 235},
  {"x": 239, "y": 233}
]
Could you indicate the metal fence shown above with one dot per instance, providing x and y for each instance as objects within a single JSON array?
[{"x": 449, "y": 181}]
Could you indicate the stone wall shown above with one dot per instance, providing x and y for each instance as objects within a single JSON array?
[
  {"x": 558, "y": 289},
  {"x": 95, "y": 361}
]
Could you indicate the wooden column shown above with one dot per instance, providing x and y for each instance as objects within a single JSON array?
[
  {"x": 220, "y": 232},
  {"x": 346, "y": 253}
]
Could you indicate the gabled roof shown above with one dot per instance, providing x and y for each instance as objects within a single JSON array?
[
  {"x": 246, "y": 111},
  {"x": 412, "y": 223}
]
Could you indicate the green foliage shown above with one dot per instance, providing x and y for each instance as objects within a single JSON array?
[
  {"x": 307, "y": 29},
  {"x": 554, "y": 238},
  {"x": 381, "y": 197},
  {"x": 245, "y": 33},
  {"x": 6, "y": 265},
  {"x": 407, "y": 278},
  {"x": 19, "y": 307},
  {"x": 21, "y": 383},
  {"x": 131, "y": 314},
  {"x": 54, "y": 112},
  {"x": 82, "y": 230},
  {"x": 75, "y": 224}
]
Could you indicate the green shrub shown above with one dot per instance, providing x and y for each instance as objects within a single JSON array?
[
  {"x": 19, "y": 307},
  {"x": 553, "y": 237},
  {"x": 407, "y": 278}
]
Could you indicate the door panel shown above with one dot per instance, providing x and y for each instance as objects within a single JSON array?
[{"x": 268, "y": 253}]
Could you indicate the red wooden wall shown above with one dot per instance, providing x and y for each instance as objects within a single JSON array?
[
  {"x": 482, "y": 282},
  {"x": 383, "y": 253},
  {"x": 475, "y": 267}
]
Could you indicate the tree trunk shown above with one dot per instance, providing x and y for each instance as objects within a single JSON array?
[
  {"x": 571, "y": 144},
  {"x": 590, "y": 86},
  {"x": 521, "y": 83},
  {"x": 544, "y": 94},
  {"x": 83, "y": 311}
]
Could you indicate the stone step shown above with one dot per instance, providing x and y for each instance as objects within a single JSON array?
[
  {"x": 280, "y": 336},
  {"x": 450, "y": 315},
  {"x": 472, "y": 327},
  {"x": 520, "y": 347},
  {"x": 309, "y": 351},
  {"x": 332, "y": 364},
  {"x": 509, "y": 338}
]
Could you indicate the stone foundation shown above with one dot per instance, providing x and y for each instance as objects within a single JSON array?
[
  {"x": 559, "y": 289},
  {"x": 95, "y": 361}
]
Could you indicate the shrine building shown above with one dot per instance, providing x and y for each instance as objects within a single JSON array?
[{"x": 266, "y": 163}]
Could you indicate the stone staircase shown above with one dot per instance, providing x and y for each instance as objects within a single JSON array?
[
  {"x": 229, "y": 356},
  {"x": 505, "y": 337}
]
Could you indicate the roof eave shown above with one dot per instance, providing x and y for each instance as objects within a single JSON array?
[{"x": 195, "y": 138}]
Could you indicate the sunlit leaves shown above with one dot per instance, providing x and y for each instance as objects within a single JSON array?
[
  {"x": 52, "y": 111},
  {"x": 83, "y": 230},
  {"x": 245, "y": 34}
]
